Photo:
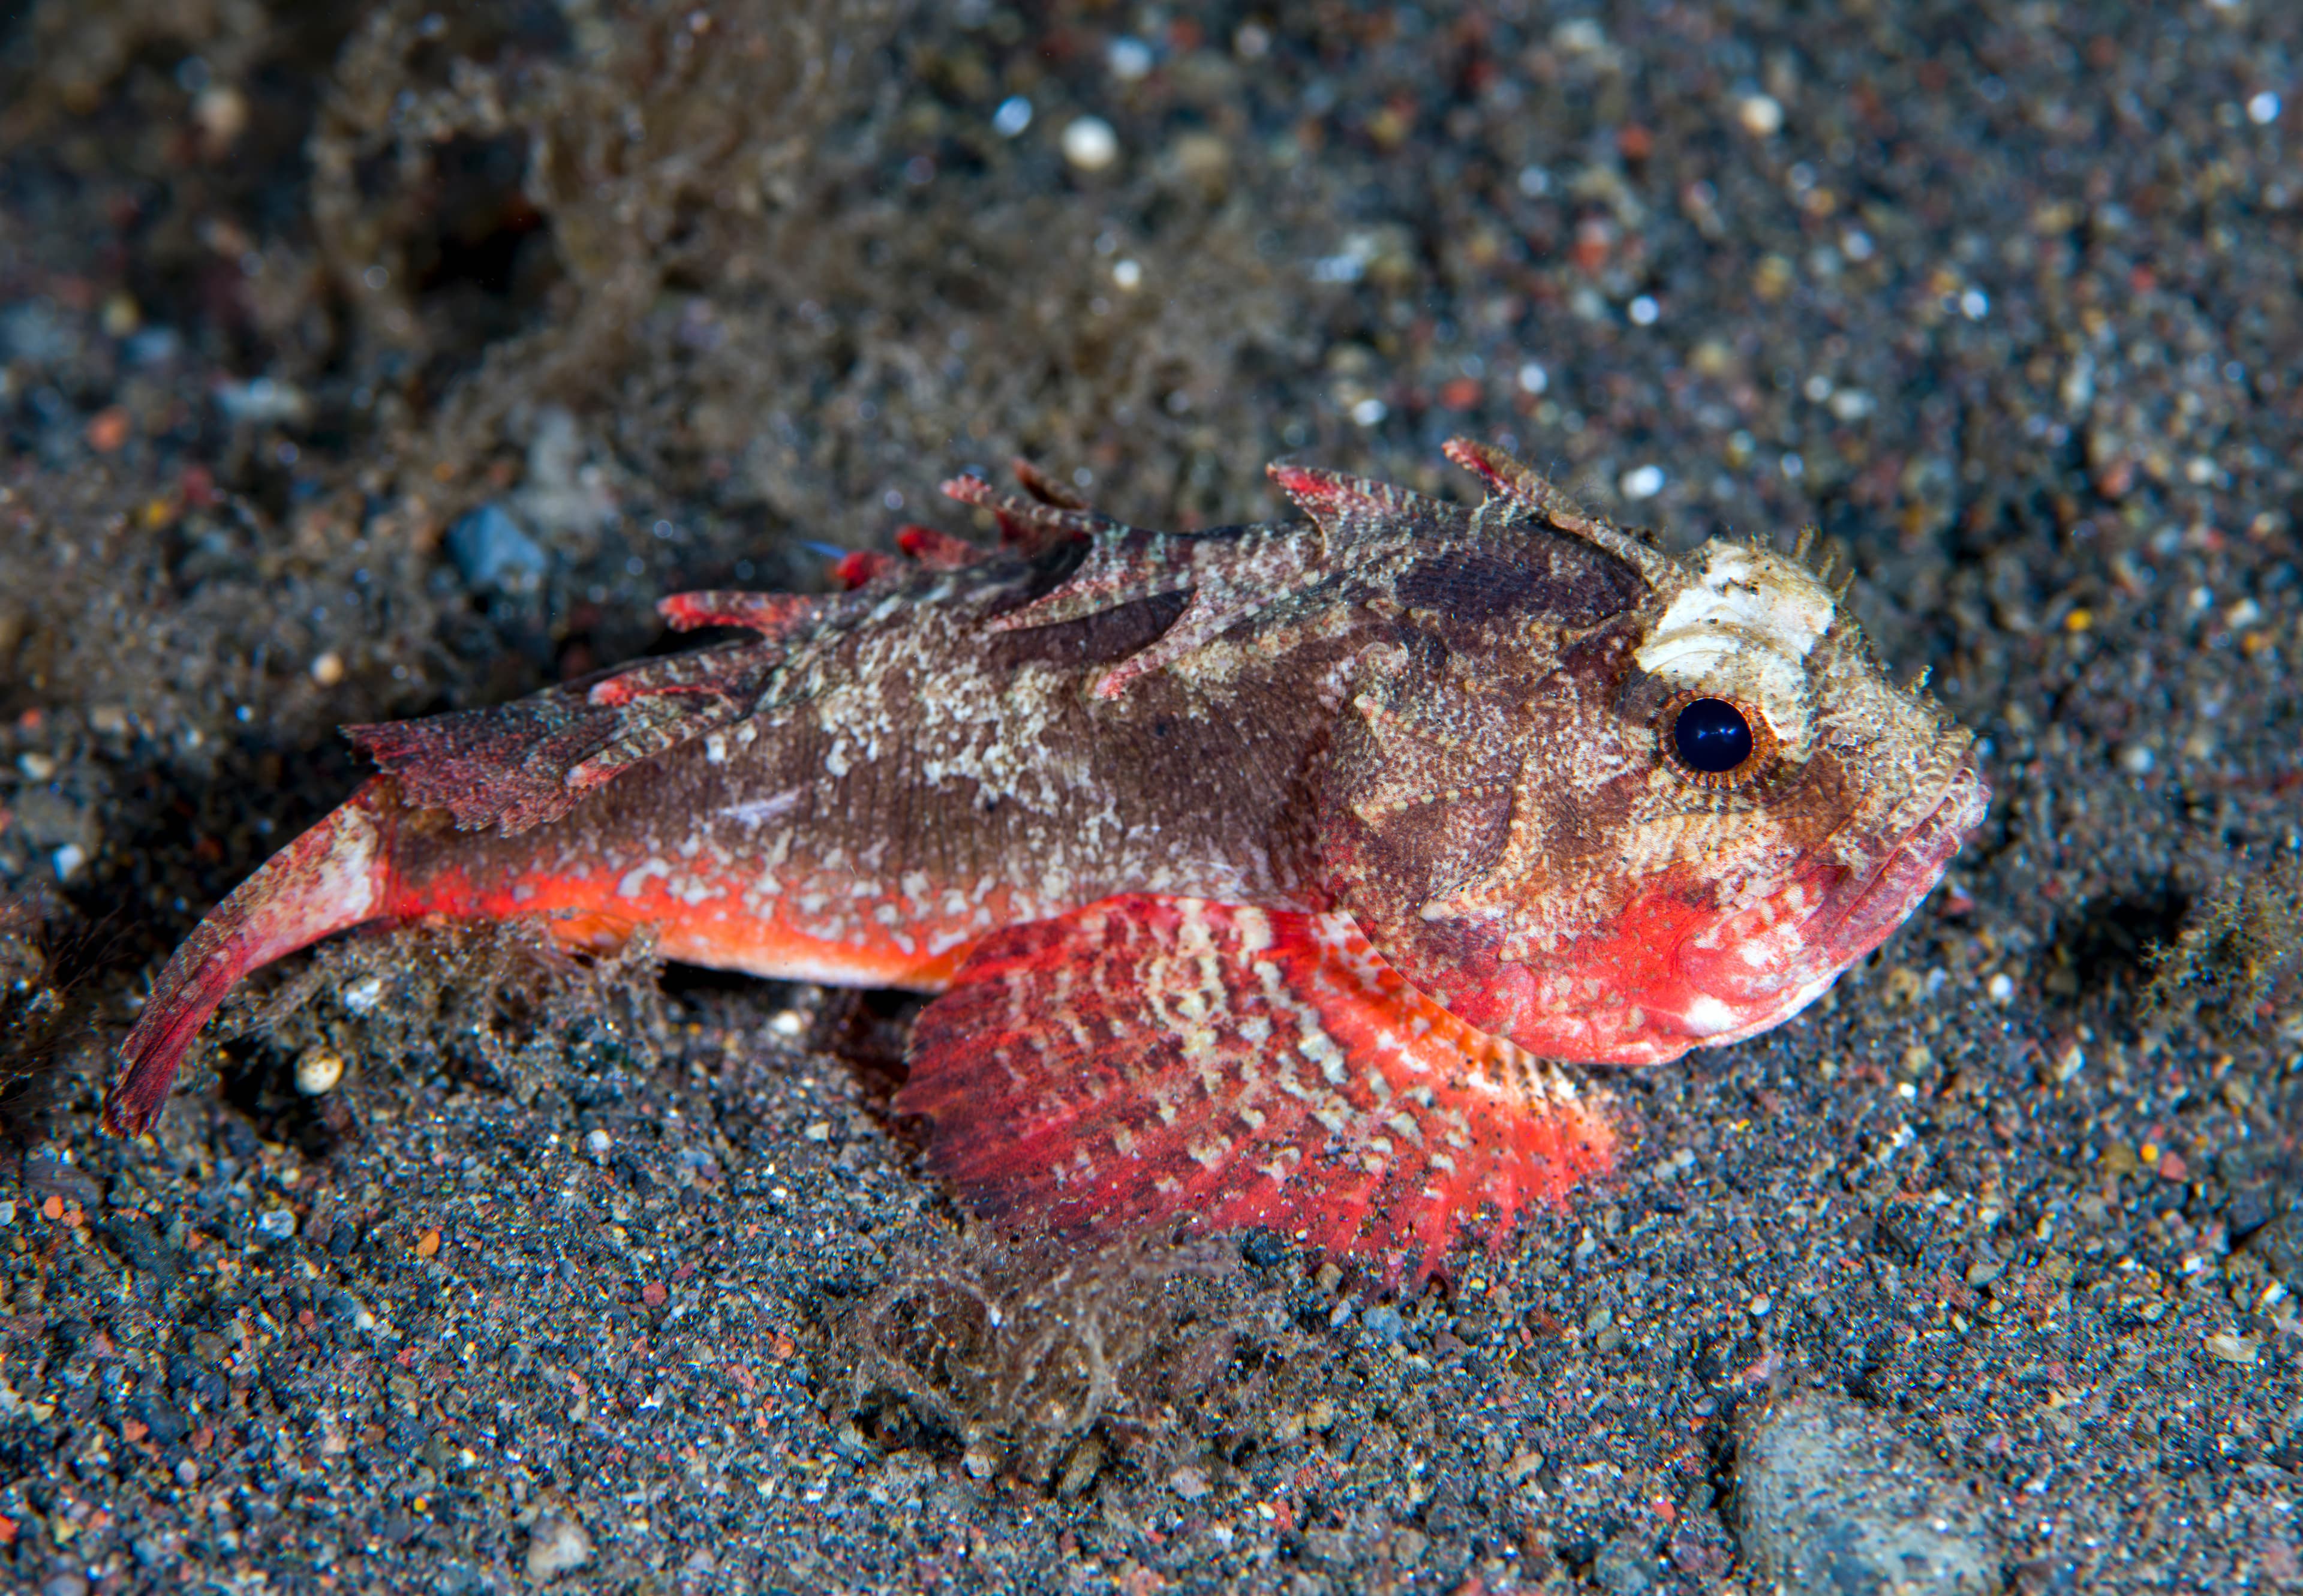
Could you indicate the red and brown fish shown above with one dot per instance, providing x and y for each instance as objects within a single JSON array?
[{"x": 1265, "y": 874}]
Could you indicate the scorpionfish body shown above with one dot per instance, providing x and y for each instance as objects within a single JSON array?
[{"x": 1266, "y": 875}]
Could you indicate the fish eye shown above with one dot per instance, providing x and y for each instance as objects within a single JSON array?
[{"x": 1715, "y": 742}]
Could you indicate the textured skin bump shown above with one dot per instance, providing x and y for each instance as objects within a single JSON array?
[{"x": 1144, "y": 1059}]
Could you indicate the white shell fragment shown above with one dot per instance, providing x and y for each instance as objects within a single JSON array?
[{"x": 319, "y": 1072}]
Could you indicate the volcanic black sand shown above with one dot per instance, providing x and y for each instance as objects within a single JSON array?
[{"x": 367, "y": 361}]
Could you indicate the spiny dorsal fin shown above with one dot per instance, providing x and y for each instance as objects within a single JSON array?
[
  {"x": 1043, "y": 487},
  {"x": 1523, "y": 484},
  {"x": 1349, "y": 510},
  {"x": 938, "y": 551},
  {"x": 1238, "y": 574},
  {"x": 771, "y": 615},
  {"x": 1229, "y": 576},
  {"x": 1030, "y": 524}
]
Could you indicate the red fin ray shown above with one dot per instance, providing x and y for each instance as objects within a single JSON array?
[
  {"x": 1147, "y": 1060},
  {"x": 1031, "y": 524},
  {"x": 938, "y": 551},
  {"x": 1350, "y": 511},
  {"x": 1518, "y": 483},
  {"x": 861, "y": 568},
  {"x": 771, "y": 615}
]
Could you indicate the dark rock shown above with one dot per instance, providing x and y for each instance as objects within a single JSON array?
[
  {"x": 2249, "y": 1212},
  {"x": 1265, "y": 1249},
  {"x": 490, "y": 551},
  {"x": 44, "y": 1173},
  {"x": 1624, "y": 1567},
  {"x": 2279, "y": 1244},
  {"x": 188, "y": 1376},
  {"x": 162, "y": 1418},
  {"x": 137, "y": 1242},
  {"x": 1830, "y": 1500}
]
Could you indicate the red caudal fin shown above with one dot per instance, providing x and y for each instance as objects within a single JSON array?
[
  {"x": 336, "y": 875},
  {"x": 1147, "y": 1061}
]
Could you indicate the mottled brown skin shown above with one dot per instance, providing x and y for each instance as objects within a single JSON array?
[
  {"x": 906, "y": 737},
  {"x": 1204, "y": 773}
]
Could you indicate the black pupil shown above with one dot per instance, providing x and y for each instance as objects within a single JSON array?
[{"x": 1711, "y": 736}]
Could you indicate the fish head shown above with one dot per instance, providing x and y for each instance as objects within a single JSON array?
[{"x": 1671, "y": 828}]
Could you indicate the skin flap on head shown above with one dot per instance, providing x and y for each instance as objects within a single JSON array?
[{"x": 1743, "y": 629}]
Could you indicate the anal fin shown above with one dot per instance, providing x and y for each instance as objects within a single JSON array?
[{"x": 1147, "y": 1061}]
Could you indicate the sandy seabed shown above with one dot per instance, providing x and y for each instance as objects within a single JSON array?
[{"x": 362, "y": 362}]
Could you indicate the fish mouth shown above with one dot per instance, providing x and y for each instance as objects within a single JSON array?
[
  {"x": 1859, "y": 916},
  {"x": 1856, "y": 915}
]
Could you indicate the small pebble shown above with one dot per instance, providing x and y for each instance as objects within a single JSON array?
[
  {"x": 490, "y": 550},
  {"x": 68, "y": 860},
  {"x": 1384, "y": 1324},
  {"x": 1642, "y": 482},
  {"x": 556, "y": 1546},
  {"x": 277, "y": 1224},
  {"x": 1828, "y": 1497},
  {"x": 597, "y": 1141},
  {"x": 1761, "y": 115},
  {"x": 362, "y": 996},
  {"x": 318, "y": 1072},
  {"x": 187, "y": 1473},
  {"x": 328, "y": 669},
  {"x": 1624, "y": 1567},
  {"x": 1089, "y": 144},
  {"x": 1188, "y": 1483},
  {"x": 37, "y": 767},
  {"x": 1129, "y": 59},
  {"x": 1013, "y": 117},
  {"x": 2229, "y": 1348}
]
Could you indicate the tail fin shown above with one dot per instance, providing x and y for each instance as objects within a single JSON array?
[{"x": 336, "y": 875}]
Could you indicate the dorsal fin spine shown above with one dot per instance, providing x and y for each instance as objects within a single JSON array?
[{"x": 1522, "y": 483}]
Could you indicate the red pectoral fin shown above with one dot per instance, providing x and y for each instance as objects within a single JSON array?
[{"x": 1151, "y": 1060}]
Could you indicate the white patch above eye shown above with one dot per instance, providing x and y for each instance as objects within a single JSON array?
[
  {"x": 1744, "y": 597},
  {"x": 1743, "y": 629}
]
